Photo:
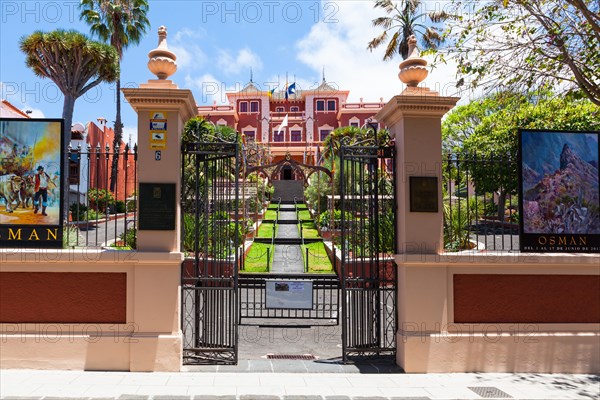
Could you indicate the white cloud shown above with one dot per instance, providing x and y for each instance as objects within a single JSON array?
[
  {"x": 184, "y": 45},
  {"x": 234, "y": 64},
  {"x": 341, "y": 48},
  {"x": 207, "y": 89}
]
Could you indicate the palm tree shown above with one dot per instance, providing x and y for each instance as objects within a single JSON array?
[
  {"x": 403, "y": 20},
  {"x": 75, "y": 64},
  {"x": 120, "y": 23}
]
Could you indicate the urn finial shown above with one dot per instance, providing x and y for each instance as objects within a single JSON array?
[
  {"x": 162, "y": 60},
  {"x": 413, "y": 70}
]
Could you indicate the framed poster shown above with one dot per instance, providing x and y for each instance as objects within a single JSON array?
[
  {"x": 559, "y": 191},
  {"x": 289, "y": 294},
  {"x": 31, "y": 172}
]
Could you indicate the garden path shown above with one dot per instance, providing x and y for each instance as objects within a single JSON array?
[{"x": 287, "y": 257}]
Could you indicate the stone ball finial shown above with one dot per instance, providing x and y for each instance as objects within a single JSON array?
[
  {"x": 162, "y": 60},
  {"x": 413, "y": 70}
]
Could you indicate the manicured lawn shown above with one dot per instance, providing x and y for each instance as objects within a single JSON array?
[
  {"x": 318, "y": 260},
  {"x": 256, "y": 260},
  {"x": 273, "y": 206},
  {"x": 271, "y": 215},
  {"x": 266, "y": 230},
  {"x": 304, "y": 215},
  {"x": 309, "y": 230}
]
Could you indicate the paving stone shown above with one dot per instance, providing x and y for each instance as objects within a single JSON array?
[
  {"x": 133, "y": 397},
  {"x": 337, "y": 398},
  {"x": 164, "y": 397},
  {"x": 258, "y": 397},
  {"x": 209, "y": 397},
  {"x": 300, "y": 397}
]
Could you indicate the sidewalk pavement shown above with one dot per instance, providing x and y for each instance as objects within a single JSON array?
[{"x": 36, "y": 384}]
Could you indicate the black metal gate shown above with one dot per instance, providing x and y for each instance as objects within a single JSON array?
[
  {"x": 368, "y": 243},
  {"x": 211, "y": 237}
]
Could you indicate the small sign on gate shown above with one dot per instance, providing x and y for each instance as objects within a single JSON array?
[{"x": 289, "y": 294}]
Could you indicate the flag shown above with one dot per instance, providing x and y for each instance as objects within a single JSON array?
[
  {"x": 284, "y": 123},
  {"x": 271, "y": 92},
  {"x": 290, "y": 90}
]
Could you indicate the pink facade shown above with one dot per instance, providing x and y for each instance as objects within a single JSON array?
[
  {"x": 100, "y": 166},
  {"x": 311, "y": 115}
]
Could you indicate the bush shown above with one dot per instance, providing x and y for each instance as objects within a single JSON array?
[
  {"x": 120, "y": 206},
  {"x": 131, "y": 205},
  {"x": 78, "y": 211},
  {"x": 129, "y": 238},
  {"x": 70, "y": 236},
  {"x": 325, "y": 217},
  {"x": 93, "y": 215},
  {"x": 100, "y": 199}
]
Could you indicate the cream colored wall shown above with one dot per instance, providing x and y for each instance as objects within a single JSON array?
[
  {"x": 150, "y": 340},
  {"x": 429, "y": 341}
]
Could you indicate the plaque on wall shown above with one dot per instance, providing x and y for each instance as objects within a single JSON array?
[
  {"x": 423, "y": 194},
  {"x": 157, "y": 207}
]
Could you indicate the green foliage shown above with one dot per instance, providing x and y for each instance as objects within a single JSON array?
[
  {"x": 535, "y": 44},
  {"x": 198, "y": 129},
  {"x": 215, "y": 236},
  {"x": 317, "y": 191},
  {"x": 70, "y": 236},
  {"x": 94, "y": 215},
  {"x": 118, "y": 22},
  {"x": 120, "y": 206},
  {"x": 487, "y": 130},
  {"x": 48, "y": 52},
  {"x": 403, "y": 20},
  {"x": 78, "y": 211},
  {"x": 456, "y": 226},
  {"x": 324, "y": 219},
  {"x": 100, "y": 198},
  {"x": 129, "y": 238}
]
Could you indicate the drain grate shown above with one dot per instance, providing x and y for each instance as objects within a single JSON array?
[
  {"x": 490, "y": 392},
  {"x": 291, "y": 357}
]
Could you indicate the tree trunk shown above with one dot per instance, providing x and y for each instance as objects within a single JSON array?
[
  {"x": 68, "y": 106},
  {"x": 501, "y": 205},
  {"x": 117, "y": 140}
]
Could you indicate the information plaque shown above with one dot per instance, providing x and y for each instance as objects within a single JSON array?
[
  {"x": 424, "y": 194},
  {"x": 157, "y": 207},
  {"x": 289, "y": 294}
]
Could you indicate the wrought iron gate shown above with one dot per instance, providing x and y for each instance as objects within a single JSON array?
[
  {"x": 211, "y": 237},
  {"x": 368, "y": 243}
]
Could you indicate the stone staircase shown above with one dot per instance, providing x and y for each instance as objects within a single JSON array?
[{"x": 287, "y": 190}]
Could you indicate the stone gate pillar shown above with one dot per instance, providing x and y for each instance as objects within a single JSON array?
[
  {"x": 162, "y": 108},
  {"x": 414, "y": 120}
]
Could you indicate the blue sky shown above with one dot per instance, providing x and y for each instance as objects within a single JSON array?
[{"x": 217, "y": 43}]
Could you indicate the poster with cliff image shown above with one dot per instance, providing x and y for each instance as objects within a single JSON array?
[
  {"x": 559, "y": 191},
  {"x": 30, "y": 183}
]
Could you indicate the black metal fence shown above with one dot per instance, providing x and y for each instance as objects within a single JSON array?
[
  {"x": 368, "y": 243},
  {"x": 101, "y": 197},
  {"x": 211, "y": 241},
  {"x": 480, "y": 203}
]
